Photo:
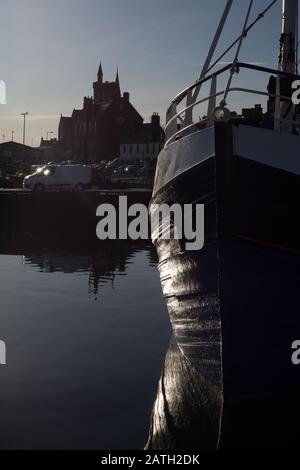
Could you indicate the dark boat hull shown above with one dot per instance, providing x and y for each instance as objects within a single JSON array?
[{"x": 234, "y": 305}]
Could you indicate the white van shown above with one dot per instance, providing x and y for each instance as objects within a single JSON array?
[{"x": 74, "y": 177}]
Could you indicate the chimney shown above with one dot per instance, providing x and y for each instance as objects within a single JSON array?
[
  {"x": 155, "y": 120},
  {"x": 126, "y": 96},
  {"x": 87, "y": 101}
]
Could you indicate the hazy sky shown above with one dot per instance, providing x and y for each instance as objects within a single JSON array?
[{"x": 50, "y": 52}]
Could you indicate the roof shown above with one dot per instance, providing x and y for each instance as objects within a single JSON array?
[
  {"x": 65, "y": 118},
  {"x": 16, "y": 146},
  {"x": 17, "y": 150}
]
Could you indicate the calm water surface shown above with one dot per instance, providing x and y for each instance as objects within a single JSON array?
[{"x": 86, "y": 335}]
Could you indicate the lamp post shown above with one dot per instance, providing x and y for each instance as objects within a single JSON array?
[{"x": 24, "y": 125}]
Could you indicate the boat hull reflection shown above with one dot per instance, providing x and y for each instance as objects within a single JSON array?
[{"x": 187, "y": 410}]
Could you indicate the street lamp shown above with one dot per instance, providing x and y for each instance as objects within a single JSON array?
[
  {"x": 49, "y": 132},
  {"x": 24, "y": 114}
]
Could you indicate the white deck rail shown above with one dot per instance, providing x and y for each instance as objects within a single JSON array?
[{"x": 175, "y": 120}]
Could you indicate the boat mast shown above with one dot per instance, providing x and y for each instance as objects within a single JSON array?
[
  {"x": 287, "y": 63},
  {"x": 289, "y": 36},
  {"x": 192, "y": 96}
]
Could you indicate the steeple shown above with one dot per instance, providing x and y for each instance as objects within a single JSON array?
[
  {"x": 117, "y": 81},
  {"x": 100, "y": 74}
]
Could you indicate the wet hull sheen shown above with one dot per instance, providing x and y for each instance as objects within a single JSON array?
[{"x": 234, "y": 305}]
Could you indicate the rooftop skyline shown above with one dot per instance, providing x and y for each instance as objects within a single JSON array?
[{"x": 51, "y": 53}]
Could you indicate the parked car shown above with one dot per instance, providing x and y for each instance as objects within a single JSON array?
[{"x": 74, "y": 177}]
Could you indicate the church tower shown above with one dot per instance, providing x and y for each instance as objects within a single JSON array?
[{"x": 106, "y": 92}]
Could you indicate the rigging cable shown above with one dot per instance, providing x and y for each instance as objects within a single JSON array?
[
  {"x": 234, "y": 68},
  {"x": 259, "y": 17}
]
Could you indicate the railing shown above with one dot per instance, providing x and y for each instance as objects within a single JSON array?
[{"x": 172, "y": 117}]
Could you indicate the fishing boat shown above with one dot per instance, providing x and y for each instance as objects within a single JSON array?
[{"x": 234, "y": 304}]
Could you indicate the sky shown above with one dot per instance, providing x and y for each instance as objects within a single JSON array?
[{"x": 50, "y": 53}]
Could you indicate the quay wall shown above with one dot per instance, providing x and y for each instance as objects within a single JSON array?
[{"x": 58, "y": 213}]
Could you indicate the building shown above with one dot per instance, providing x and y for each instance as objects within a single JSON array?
[
  {"x": 17, "y": 158},
  {"x": 95, "y": 132},
  {"x": 146, "y": 144},
  {"x": 50, "y": 150},
  {"x": 49, "y": 143}
]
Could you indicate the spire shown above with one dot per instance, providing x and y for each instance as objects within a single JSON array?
[
  {"x": 100, "y": 74},
  {"x": 117, "y": 80}
]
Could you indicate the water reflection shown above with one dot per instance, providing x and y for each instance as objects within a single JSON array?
[
  {"x": 187, "y": 410},
  {"x": 101, "y": 376},
  {"x": 190, "y": 412},
  {"x": 79, "y": 371},
  {"x": 103, "y": 262}
]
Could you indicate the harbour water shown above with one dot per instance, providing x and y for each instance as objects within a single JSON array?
[
  {"x": 86, "y": 332},
  {"x": 91, "y": 363}
]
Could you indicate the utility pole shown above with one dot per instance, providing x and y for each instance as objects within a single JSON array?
[{"x": 24, "y": 125}]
